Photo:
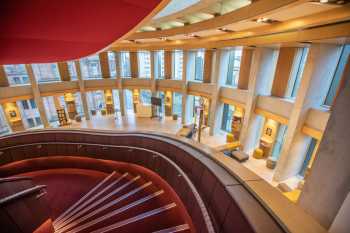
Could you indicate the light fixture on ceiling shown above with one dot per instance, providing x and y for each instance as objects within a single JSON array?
[
  {"x": 224, "y": 30},
  {"x": 192, "y": 35},
  {"x": 336, "y": 2},
  {"x": 265, "y": 20},
  {"x": 163, "y": 38}
]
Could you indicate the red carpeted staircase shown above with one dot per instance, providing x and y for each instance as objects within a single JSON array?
[{"x": 124, "y": 203}]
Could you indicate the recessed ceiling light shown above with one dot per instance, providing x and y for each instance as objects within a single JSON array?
[
  {"x": 225, "y": 30},
  {"x": 163, "y": 38},
  {"x": 192, "y": 35},
  {"x": 265, "y": 20}
]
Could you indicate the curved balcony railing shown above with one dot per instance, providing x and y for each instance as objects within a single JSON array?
[{"x": 218, "y": 197}]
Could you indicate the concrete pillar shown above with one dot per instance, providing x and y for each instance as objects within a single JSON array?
[
  {"x": 37, "y": 96},
  {"x": 215, "y": 111},
  {"x": 208, "y": 65},
  {"x": 167, "y": 64},
  {"x": 244, "y": 70},
  {"x": 184, "y": 100},
  {"x": 82, "y": 91},
  {"x": 64, "y": 71},
  {"x": 284, "y": 70},
  {"x": 327, "y": 186},
  {"x": 260, "y": 82},
  {"x": 134, "y": 66},
  {"x": 3, "y": 77},
  {"x": 317, "y": 76},
  {"x": 122, "y": 102},
  {"x": 104, "y": 64}
]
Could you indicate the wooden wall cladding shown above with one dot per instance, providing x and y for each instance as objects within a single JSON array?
[{"x": 201, "y": 175}]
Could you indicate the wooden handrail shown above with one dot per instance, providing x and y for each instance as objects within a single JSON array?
[{"x": 21, "y": 194}]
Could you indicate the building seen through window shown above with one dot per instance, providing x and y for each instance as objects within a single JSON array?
[
  {"x": 159, "y": 64},
  {"x": 90, "y": 67},
  {"x": 177, "y": 64},
  {"x": 125, "y": 64},
  {"x": 234, "y": 63},
  {"x": 112, "y": 64},
  {"x": 144, "y": 60},
  {"x": 227, "y": 117},
  {"x": 199, "y": 65},
  {"x": 46, "y": 72},
  {"x": 29, "y": 113},
  {"x": 72, "y": 70},
  {"x": 16, "y": 74}
]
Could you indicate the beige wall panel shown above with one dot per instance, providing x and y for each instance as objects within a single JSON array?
[
  {"x": 3, "y": 78},
  {"x": 104, "y": 64},
  {"x": 208, "y": 65},
  {"x": 206, "y": 89},
  {"x": 175, "y": 85},
  {"x": 167, "y": 64},
  {"x": 99, "y": 84},
  {"x": 317, "y": 119},
  {"x": 134, "y": 66},
  {"x": 137, "y": 83},
  {"x": 236, "y": 95},
  {"x": 48, "y": 88},
  {"x": 275, "y": 105},
  {"x": 64, "y": 72},
  {"x": 10, "y": 92}
]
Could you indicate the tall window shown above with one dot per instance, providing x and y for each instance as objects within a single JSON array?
[
  {"x": 125, "y": 64},
  {"x": 95, "y": 100},
  {"x": 308, "y": 158},
  {"x": 145, "y": 96},
  {"x": 90, "y": 67},
  {"x": 78, "y": 103},
  {"x": 199, "y": 65},
  {"x": 129, "y": 105},
  {"x": 16, "y": 74},
  {"x": 177, "y": 103},
  {"x": 30, "y": 113},
  {"x": 72, "y": 71},
  {"x": 234, "y": 62},
  {"x": 144, "y": 58},
  {"x": 332, "y": 92},
  {"x": 297, "y": 73},
  {"x": 277, "y": 147},
  {"x": 227, "y": 116},
  {"x": 46, "y": 72},
  {"x": 112, "y": 65},
  {"x": 177, "y": 64},
  {"x": 159, "y": 65},
  {"x": 50, "y": 109}
]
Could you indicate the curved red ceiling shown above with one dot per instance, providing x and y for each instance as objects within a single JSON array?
[{"x": 40, "y": 31}]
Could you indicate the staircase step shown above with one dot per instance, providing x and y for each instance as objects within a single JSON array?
[
  {"x": 179, "y": 228},
  {"x": 121, "y": 226},
  {"x": 101, "y": 221},
  {"x": 96, "y": 212},
  {"x": 63, "y": 216},
  {"x": 122, "y": 184}
]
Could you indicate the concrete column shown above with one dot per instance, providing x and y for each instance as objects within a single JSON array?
[
  {"x": 104, "y": 64},
  {"x": 317, "y": 76},
  {"x": 134, "y": 66},
  {"x": 122, "y": 102},
  {"x": 244, "y": 70},
  {"x": 82, "y": 91},
  {"x": 37, "y": 96},
  {"x": 327, "y": 186},
  {"x": 3, "y": 77},
  {"x": 167, "y": 64},
  {"x": 260, "y": 82},
  {"x": 63, "y": 70},
  {"x": 215, "y": 111},
  {"x": 184, "y": 100},
  {"x": 284, "y": 70},
  {"x": 208, "y": 65}
]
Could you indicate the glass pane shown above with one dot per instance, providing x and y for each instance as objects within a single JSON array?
[
  {"x": 199, "y": 65},
  {"x": 177, "y": 64},
  {"x": 159, "y": 65},
  {"x": 234, "y": 63},
  {"x": 72, "y": 70},
  {"x": 16, "y": 74},
  {"x": 29, "y": 112},
  {"x": 50, "y": 108},
  {"x": 90, "y": 67},
  {"x": 146, "y": 96},
  {"x": 144, "y": 59},
  {"x": 46, "y": 72},
  {"x": 125, "y": 64},
  {"x": 4, "y": 128},
  {"x": 227, "y": 118},
  {"x": 112, "y": 65},
  {"x": 177, "y": 103}
]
